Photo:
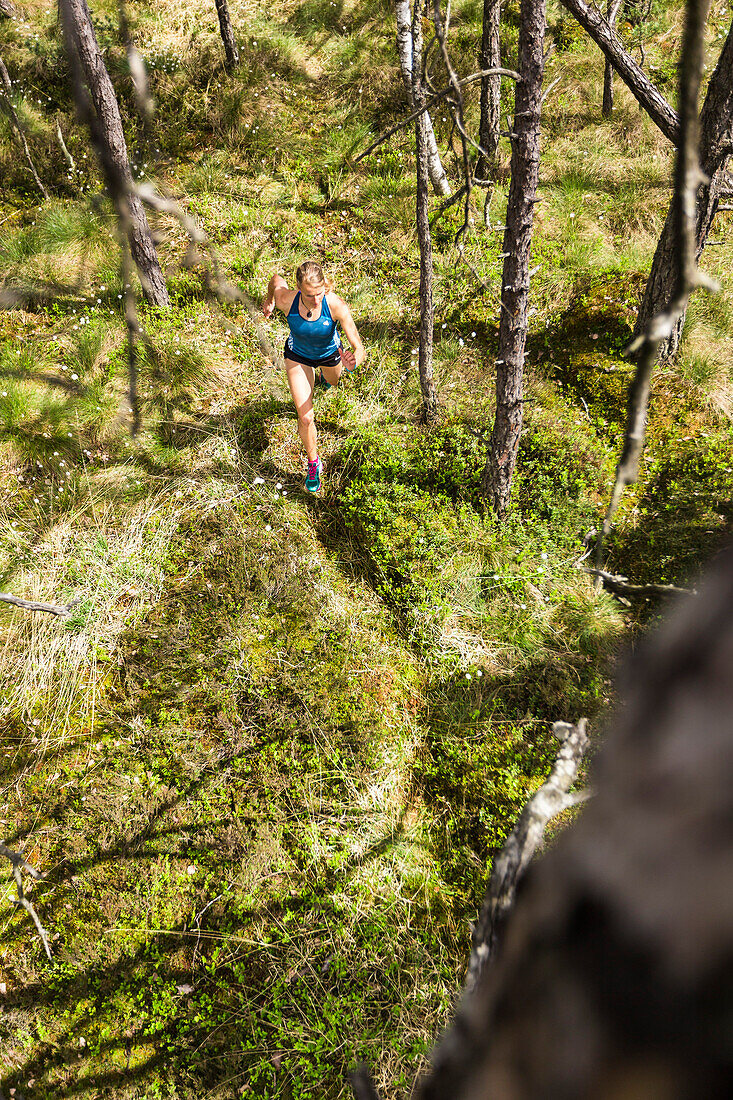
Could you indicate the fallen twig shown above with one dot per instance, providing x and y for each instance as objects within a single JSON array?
[
  {"x": 31, "y": 605},
  {"x": 620, "y": 586},
  {"x": 19, "y": 865}
]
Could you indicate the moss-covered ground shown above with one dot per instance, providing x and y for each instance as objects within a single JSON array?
[{"x": 265, "y": 763}]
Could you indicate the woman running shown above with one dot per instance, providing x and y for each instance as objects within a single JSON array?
[{"x": 313, "y": 314}]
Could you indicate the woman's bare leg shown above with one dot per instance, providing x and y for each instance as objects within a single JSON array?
[
  {"x": 332, "y": 374},
  {"x": 300, "y": 380}
]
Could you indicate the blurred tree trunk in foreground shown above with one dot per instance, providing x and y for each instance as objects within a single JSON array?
[
  {"x": 103, "y": 116},
  {"x": 525, "y": 167},
  {"x": 422, "y": 156},
  {"x": 614, "y": 976},
  {"x": 489, "y": 58},
  {"x": 231, "y": 52},
  {"x": 405, "y": 51}
]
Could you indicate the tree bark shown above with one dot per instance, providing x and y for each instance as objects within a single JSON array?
[
  {"x": 231, "y": 51},
  {"x": 525, "y": 166},
  {"x": 105, "y": 121},
  {"x": 427, "y": 312},
  {"x": 633, "y": 76},
  {"x": 489, "y": 58},
  {"x": 6, "y": 9},
  {"x": 613, "y": 7},
  {"x": 716, "y": 144},
  {"x": 405, "y": 51}
]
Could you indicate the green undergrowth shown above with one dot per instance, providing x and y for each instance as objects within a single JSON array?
[{"x": 682, "y": 513}]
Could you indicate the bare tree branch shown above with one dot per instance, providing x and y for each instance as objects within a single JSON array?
[
  {"x": 436, "y": 97},
  {"x": 19, "y": 865},
  {"x": 30, "y": 605},
  {"x": 69, "y": 159},
  {"x": 620, "y": 586},
  {"x": 6, "y": 104},
  {"x": 716, "y": 144},
  {"x": 511, "y": 863}
]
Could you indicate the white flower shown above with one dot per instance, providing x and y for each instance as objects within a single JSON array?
[{"x": 259, "y": 481}]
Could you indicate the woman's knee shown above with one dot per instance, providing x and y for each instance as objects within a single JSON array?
[{"x": 306, "y": 417}]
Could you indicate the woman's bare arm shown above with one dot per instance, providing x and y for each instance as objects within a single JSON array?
[
  {"x": 278, "y": 294},
  {"x": 341, "y": 313}
]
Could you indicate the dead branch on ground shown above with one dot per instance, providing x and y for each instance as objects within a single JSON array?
[
  {"x": 19, "y": 865},
  {"x": 63, "y": 610},
  {"x": 620, "y": 586}
]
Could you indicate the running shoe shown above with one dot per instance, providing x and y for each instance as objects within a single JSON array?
[
  {"x": 313, "y": 477},
  {"x": 321, "y": 381}
]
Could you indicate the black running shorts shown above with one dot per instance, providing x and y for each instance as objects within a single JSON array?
[{"x": 295, "y": 357}]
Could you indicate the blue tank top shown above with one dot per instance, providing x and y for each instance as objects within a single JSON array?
[{"x": 315, "y": 339}]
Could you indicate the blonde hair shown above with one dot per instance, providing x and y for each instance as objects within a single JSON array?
[{"x": 311, "y": 272}]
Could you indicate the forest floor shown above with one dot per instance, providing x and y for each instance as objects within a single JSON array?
[{"x": 266, "y": 761}]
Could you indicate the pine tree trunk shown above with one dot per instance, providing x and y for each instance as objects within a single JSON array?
[
  {"x": 436, "y": 170},
  {"x": 517, "y": 244},
  {"x": 87, "y": 67},
  {"x": 427, "y": 312},
  {"x": 231, "y": 51},
  {"x": 489, "y": 58},
  {"x": 716, "y": 121},
  {"x": 613, "y": 7}
]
